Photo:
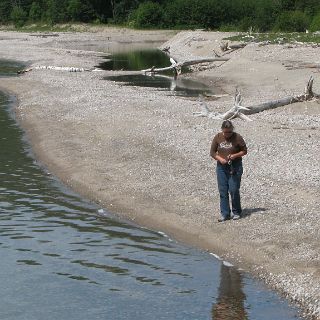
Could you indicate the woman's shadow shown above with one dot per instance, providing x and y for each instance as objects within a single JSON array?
[{"x": 249, "y": 211}]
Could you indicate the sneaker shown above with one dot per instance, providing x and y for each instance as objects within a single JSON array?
[
  {"x": 223, "y": 219},
  {"x": 235, "y": 217}
]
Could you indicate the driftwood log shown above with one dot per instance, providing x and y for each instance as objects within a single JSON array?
[
  {"x": 224, "y": 46},
  {"x": 44, "y": 35},
  {"x": 69, "y": 69},
  {"x": 301, "y": 65},
  {"x": 234, "y": 112},
  {"x": 176, "y": 66},
  {"x": 241, "y": 112}
]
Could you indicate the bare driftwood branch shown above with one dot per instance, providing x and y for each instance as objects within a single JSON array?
[
  {"x": 176, "y": 66},
  {"x": 241, "y": 112},
  {"x": 69, "y": 69},
  {"x": 307, "y": 96},
  {"x": 205, "y": 112},
  {"x": 236, "y": 111},
  {"x": 301, "y": 65},
  {"x": 224, "y": 46},
  {"x": 44, "y": 35}
]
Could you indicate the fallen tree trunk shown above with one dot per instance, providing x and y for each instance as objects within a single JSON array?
[
  {"x": 44, "y": 35},
  {"x": 239, "y": 111},
  {"x": 302, "y": 65},
  {"x": 178, "y": 65},
  {"x": 224, "y": 46},
  {"x": 69, "y": 69},
  {"x": 273, "y": 104},
  {"x": 307, "y": 96}
]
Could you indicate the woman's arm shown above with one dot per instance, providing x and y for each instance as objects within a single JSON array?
[
  {"x": 213, "y": 152},
  {"x": 220, "y": 159},
  {"x": 237, "y": 155}
]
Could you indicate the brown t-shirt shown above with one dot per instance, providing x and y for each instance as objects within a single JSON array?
[{"x": 224, "y": 147}]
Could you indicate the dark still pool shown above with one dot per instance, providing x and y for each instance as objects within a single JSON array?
[{"x": 137, "y": 60}]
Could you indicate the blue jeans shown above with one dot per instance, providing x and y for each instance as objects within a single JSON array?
[{"x": 229, "y": 182}]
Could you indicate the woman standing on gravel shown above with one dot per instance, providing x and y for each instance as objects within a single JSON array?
[{"x": 228, "y": 148}]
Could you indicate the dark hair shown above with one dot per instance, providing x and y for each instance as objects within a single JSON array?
[{"x": 227, "y": 124}]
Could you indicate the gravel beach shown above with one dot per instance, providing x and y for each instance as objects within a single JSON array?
[{"x": 141, "y": 154}]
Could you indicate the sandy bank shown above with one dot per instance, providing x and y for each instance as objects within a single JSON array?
[{"x": 142, "y": 155}]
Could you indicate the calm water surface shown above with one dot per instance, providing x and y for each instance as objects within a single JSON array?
[
  {"x": 137, "y": 60},
  {"x": 62, "y": 260},
  {"x": 10, "y": 68}
]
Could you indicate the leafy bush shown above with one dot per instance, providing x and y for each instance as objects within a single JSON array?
[
  {"x": 292, "y": 21},
  {"x": 5, "y": 7},
  {"x": 51, "y": 14},
  {"x": 18, "y": 16},
  {"x": 228, "y": 27},
  {"x": 121, "y": 9},
  {"x": 209, "y": 14},
  {"x": 266, "y": 13},
  {"x": 310, "y": 7},
  {"x": 315, "y": 24},
  {"x": 74, "y": 9},
  {"x": 148, "y": 15},
  {"x": 80, "y": 11},
  {"x": 246, "y": 23},
  {"x": 35, "y": 12}
]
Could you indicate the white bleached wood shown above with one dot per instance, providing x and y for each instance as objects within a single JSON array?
[
  {"x": 178, "y": 65},
  {"x": 57, "y": 68},
  {"x": 241, "y": 112}
]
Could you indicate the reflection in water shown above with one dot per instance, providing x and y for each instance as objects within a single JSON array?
[
  {"x": 105, "y": 45},
  {"x": 178, "y": 86},
  {"x": 230, "y": 301},
  {"x": 135, "y": 60}
]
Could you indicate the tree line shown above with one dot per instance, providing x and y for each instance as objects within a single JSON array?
[{"x": 260, "y": 15}]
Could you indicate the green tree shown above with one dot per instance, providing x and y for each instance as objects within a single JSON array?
[
  {"x": 79, "y": 10},
  {"x": 310, "y": 7},
  {"x": 315, "y": 24},
  {"x": 5, "y": 8},
  {"x": 18, "y": 16},
  {"x": 74, "y": 10},
  {"x": 292, "y": 21},
  {"x": 266, "y": 14},
  {"x": 102, "y": 9},
  {"x": 286, "y": 5},
  {"x": 148, "y": 15},
  {"x": 123, "y": 8},
  {"x": 51, "y": 13},
  {"x": 35, "y": 12}
]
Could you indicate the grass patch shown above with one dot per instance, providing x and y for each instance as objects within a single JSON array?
[
  {"x": 40, "y": 28},
  {"x": 66, "y": 27},
  {"x": 276, "y": 38}
]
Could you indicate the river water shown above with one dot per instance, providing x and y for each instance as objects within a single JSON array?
[{"x": 63, "y": 258}]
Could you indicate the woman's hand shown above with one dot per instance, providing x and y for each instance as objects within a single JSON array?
[
  {"x": 221, "y": 160},
  {"x": 236, "y": 155}
]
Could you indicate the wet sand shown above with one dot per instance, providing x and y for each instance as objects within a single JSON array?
[{"x": 142, "y": 155}]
